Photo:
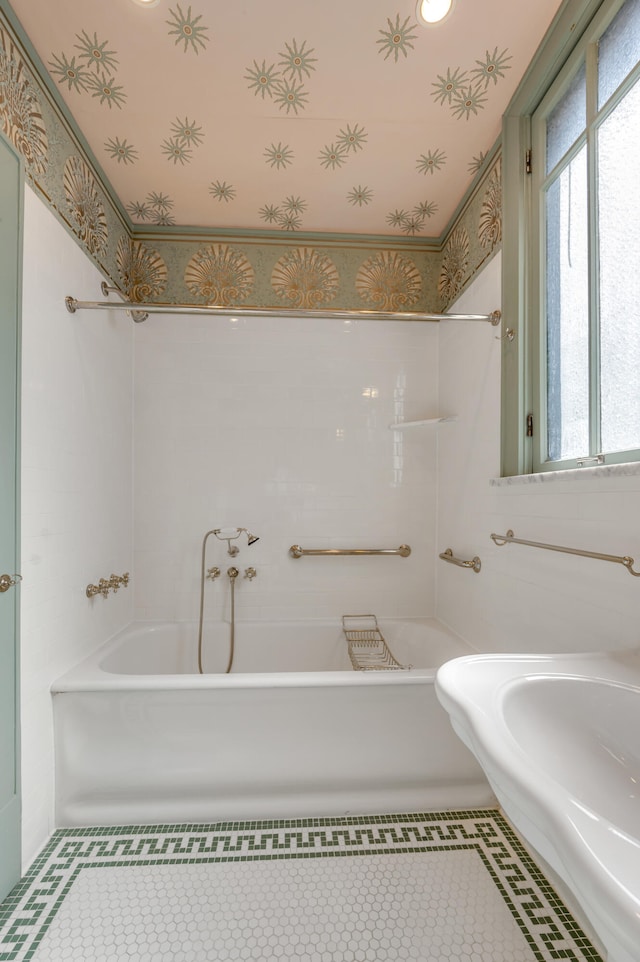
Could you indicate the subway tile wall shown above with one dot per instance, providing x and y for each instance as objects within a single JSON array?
[
  {"x": 524, "y": 599},
  {"x": 281, "y": 426},
  {"x": 76, "y": 487}
]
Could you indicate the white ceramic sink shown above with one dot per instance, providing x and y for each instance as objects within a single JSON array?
[{"x": 559, "y": 740}]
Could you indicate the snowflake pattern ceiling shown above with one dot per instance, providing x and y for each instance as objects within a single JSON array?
[{"x": 377, "y": 125}]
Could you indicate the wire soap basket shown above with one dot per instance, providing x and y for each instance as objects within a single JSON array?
[{"x": 368, "y": 650}]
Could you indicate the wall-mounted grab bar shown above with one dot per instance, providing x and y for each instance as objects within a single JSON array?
[
  {"x": 475, "y": 564},
  {"x": 625, "y": 561},
  {"x": 297, "y": 552}
]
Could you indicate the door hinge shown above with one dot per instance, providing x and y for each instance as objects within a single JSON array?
[
  {"x": 529, "y": 425},
  {"x": 527, "y": 162}
]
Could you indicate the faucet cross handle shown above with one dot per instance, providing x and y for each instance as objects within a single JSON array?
[
  {"x": 250, "y": 573},
  {"x": 213, "y": 573}
]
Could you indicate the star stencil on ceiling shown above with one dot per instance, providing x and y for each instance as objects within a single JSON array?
[
  {"x": 352, "y": 139},
  {"x": 95, "y": 54},
  {"x": 468, "y": 102},
  {"x": 360, "y": 195},
  {"x": 287, "y": 215},
  {"x": 187, "y": 132},
  {"x": 335, "y": 155},
  {"x": 284, "y": 86},
  {"x": 155, "y": 208},
  {"x": 431, "y": 161},
  {"x": 176, "y": 150},
  {"x": 397, "y": 39},
  {"x": 291, "y": 96},
  {"x": 179, "y": 147},
  {"x": 264, "y": 79},
  {"x": 332, "y": 156},
  {"x": 75, "y": 76},
  {"x": 492, "y": 67},
  {"x": 278, "y": 156},
  {"x": 448, "y": 86},
  {"x": 477, "y": 163},
  {"x": 269, "y": 213},
  {"x": 121, "y": 151},
  {"x": 96, "y": 76},
  {"x": 464, "y": 92},
  {"x": 222, "y": 191},
  {"x": 108, "y": 92},
  {"x": 297, "y": 61},
  {"x": 187, "y": 29}
]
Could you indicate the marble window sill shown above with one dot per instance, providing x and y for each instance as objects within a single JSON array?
[{"x": 597, "y": 473}]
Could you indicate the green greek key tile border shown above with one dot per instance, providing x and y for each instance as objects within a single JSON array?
[{"x": 546, "y": 924}]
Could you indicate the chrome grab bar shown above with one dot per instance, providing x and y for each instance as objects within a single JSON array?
[
  {"x": 475, "y": 564},
  {"x": 297, "y": 552},
  {"x": 625, "y": 561}
]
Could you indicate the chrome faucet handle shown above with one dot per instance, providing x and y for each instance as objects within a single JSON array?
[
  {"x": 114, "y": 582},
  {"x": 250, "y": 573},
  {"x": 233, "y": 572},
  {"x": 213, "y": 573}
]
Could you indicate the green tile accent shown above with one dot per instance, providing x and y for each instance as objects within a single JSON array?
[{"x": 544, "y": 921}]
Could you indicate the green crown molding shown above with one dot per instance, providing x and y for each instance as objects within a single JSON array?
[{"x": 231, "y": 267}]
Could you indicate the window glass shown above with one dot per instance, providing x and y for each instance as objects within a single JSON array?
[
  {"x": 567, "y": 120},
  {"x": 619, "y": 255},
  {"x": 567, "y": 309},
  {"x": 618, "y": 50}
]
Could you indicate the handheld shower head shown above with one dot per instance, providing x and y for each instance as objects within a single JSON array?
[{"x": 230, "y": 534}]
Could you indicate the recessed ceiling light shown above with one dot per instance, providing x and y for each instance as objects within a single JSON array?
[
  {"x": 433, "y": 11},
  {"x": 146, "y": 3}
]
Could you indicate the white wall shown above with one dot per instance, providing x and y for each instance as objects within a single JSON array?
[
  {"x": 524, "y": 599},
  {"x": 265, "y": 424},
  {"x": 76, "y": 487}
]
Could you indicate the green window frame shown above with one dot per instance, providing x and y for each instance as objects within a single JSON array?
[{"x": 530, "y": 192}]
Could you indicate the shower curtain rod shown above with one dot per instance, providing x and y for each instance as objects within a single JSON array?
[{"x": 140, "y": 312}]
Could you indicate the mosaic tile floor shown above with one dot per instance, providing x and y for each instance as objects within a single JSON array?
[{"x": 432, "y": 888}]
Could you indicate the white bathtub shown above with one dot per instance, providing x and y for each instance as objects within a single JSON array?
[
  {"x": 140, "y": 737},
  {"x": 559, "y": 739}
]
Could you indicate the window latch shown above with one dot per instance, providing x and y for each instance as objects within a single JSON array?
[{"x": 598, "y": 459}]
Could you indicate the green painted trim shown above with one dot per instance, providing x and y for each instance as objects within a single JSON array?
[
  {"x": 11, "y": 297},
  {"x": 519, "y": 310},
  {"x": 178, "y": 233}
]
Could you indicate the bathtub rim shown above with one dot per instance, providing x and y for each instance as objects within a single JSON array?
[{"x": 88, "y": 675}]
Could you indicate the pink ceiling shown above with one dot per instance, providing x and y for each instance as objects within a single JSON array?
[{"x": 333, "y": 116}]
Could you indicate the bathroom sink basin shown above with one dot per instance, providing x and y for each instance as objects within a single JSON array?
[
  {"x": 584, "y": 735},
  {"x": 559, "y": 740}
]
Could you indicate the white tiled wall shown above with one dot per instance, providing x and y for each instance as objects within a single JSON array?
[
  {"x": 76, "y": 486},
  {"x": 524, "y": 599},
  {"x": 281, "y": 426}
]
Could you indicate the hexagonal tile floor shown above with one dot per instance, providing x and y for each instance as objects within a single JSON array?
[{"x": 435, "y": 887}]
